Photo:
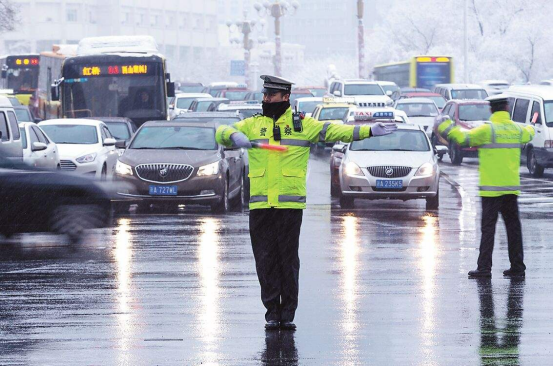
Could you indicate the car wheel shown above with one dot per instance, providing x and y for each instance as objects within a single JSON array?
[
  {"x": 346, "y": 202},
  {"x": 455, "y": 154},
  {"x": 74, "y": 220},
  {"x": 223, "y": 205},
  {"x": 433, "y": 203},
  {"x": 238, "y": 202},
  {"x": 535, "y": 169},
  {"x": 334, "y": 190}
]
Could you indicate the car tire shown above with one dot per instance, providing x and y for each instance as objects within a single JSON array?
[
  {"x": 237, "y": 203},
  {"x": 535, "y": 169},
  {"x": 142, "y": 208},
  {"x": 120, "y": 208},
  {"x": 455, "y": 154},
  {"x": 223, "y": 205},
  {"x": 334, "y": 190},
  {"x": 346, "y": 202},
  {"x": 74, "y": 220},
  {"x": 433, "y": 203}
]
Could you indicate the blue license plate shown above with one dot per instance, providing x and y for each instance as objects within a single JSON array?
[
  {"x": 163, "y": 190},
  {"x": 389, "y": 184}
]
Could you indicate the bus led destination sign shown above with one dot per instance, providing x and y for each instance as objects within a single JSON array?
[
  {"x": 106, "y": 70},
  {"x": 25, "y": 62}
]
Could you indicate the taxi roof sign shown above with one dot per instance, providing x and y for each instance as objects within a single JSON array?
[
  {"x": 367, "y": 115},
  {"x": 349, "y": 100}
]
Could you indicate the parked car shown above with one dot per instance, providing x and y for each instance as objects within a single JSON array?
[
  {"x": 85, "y": 146},
  {"x": 38, "y": 150},
  {"x": 182, "y": 101},
  {"x": 460, "y": 91},
  {"x": 400, "y": 166},
  {"x": 171, "y": 163},
  {"x": 207, "y": 104},
  {"x": 467, "y": 114},
  {"x": 435, "y": 97},
  {"x": 38, "y": 201},
  {"x": 10, "y": 137},
  {"x": 420, "y": 111}
]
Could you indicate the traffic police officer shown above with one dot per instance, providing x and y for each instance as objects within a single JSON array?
[
  {"x": 499, "y": 143},
  {"x": 278, "y": 189}
]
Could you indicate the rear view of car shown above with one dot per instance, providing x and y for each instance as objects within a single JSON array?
[
  {"x": 420, "y": 111},
  {"x": 245, "y": 108}
]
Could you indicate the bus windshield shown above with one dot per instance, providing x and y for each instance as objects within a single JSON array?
[
  {"x": 22, "y": 80},
  {"x": 114, "y": 90}
]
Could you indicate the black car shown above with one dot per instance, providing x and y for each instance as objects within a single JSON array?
[
  {"x": 122, "y": 128},
  {"x": 45, "y": 201},
  {"x": 24, "y": 114}
]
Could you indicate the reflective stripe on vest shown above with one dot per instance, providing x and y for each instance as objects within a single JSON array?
[
  {"x": 356, "y": 132},
  {"x": 290, "y": 198},
  {"x": 322, "y": 134},
  {"x": 446, "y": 131},
  {"x": 501, "y": 146},
  {"x": 296, "y": 142},
  {"x": 258, "y": 199},
  {"x": 499, "y": 188},
  {"x": 261, "y": 141}
]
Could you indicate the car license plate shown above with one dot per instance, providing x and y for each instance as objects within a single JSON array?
[
  {"x": 163, "y": 190},
  {"x": 389, "y": 184}
]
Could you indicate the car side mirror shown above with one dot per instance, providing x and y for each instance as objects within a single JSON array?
[
  {"x": 170, "y": 89},
  {"x": 337, "y": 93},
  {"x": 37, "y": 146},
  {"x": 36, "y": 120},
  {"x": 440, "y": 150},
  {"x": 120, "y": 144},
  {"x": 341, "y": 148},
  {"x": 389, "y": 93},
  {"x": 109, "y": 142},
  {"x": 0, "y": 134},
  {"x": 54, "y": 91}
]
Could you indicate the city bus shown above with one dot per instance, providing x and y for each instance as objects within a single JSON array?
[
  {"x": 418, "y": 72},
  {"x": 50, "y": 62},
  {"x": 115, "y": 77},
  {"x": 20, "y": 74}
]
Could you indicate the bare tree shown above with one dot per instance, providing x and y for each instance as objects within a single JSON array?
[{"x": 8, "y": 16}]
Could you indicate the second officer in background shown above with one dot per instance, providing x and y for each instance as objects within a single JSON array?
[{"x": 278, "y": 190}]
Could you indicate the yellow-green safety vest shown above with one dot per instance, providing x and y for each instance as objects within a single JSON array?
[
  {"x": 278, "y": 179},
  {"x": 499, "y": 144}
]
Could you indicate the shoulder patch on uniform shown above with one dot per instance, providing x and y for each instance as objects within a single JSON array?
[{"x": 257, "y": 114}]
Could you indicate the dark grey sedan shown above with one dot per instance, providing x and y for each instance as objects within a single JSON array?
[{"x": 171, "y": 163}]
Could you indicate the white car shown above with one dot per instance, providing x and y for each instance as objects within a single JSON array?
[
  {"x": 246, "y": 108},
  {"x": 38, "y": 149},
  {"x": 182, "y": 101},
  {"x": 84, "y": 146},
  {"x": 402, "y": 165},
  {"x": 494, "y": 87},
  {"x": 307, "y": 105},
  {"x": 420, "y": 111},
  {"x": 388, "y": 87},
  {"x": 366, "y": 93}
]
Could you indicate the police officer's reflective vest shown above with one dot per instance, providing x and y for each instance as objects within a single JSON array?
[
  {"x": 278, "y": 179},
  {"x": 499, "y": 144}
]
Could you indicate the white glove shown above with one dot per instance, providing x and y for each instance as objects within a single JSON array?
[
  {"x": 240, "y": 140},
  {"x": 380, "y": 129}
]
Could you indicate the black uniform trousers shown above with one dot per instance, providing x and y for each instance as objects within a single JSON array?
[
  {"x": 275, "y": 235},
  {"x": 507, "y": 205}
]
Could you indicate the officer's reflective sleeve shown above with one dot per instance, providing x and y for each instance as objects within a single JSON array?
[
  {"x": 320, "y": 131},
  {"x": 528, "y": 133},
  {"x": 223, "y": 133},
  {"x": 474, "y": 137}
]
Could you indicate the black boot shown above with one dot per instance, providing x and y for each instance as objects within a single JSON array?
[
  {"x": 271, "y": 325},
  {"x": 514, "y": 273},
  {"x": 287, "y": 325},
  {"x": 480, "y": 274}
]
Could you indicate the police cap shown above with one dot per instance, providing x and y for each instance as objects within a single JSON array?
[
  {"x": 273, "y": 84},
  {"x": 498, "y": 99}
]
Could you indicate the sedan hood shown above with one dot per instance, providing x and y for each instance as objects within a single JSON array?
[
  {"x": 425, "y": 121},
  {"x": 194, "y": 158},
  {"x": 72, "y": 151},
  {"x": 410, "y": 159}
]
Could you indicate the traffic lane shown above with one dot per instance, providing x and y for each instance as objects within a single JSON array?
[{"x": 382, "y": 284}]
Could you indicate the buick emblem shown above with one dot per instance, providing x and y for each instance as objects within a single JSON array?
[
  {"x": 163, "y": 172},
  {"x": 389, "y": 171}
]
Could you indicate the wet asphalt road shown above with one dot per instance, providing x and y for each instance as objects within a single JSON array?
[{"x": 383, "y": 284}]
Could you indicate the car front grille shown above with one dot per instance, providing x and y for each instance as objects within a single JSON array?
[
  {"x": 67, "y": 165},
  {"x": 389, "y": 171},
  {"x": 164, "y": 172},
  {"x": 371, "y": 104}
]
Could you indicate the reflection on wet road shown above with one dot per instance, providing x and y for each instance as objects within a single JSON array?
[{"x": 384, "y": 283}]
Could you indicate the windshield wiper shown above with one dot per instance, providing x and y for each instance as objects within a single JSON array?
[
  {"x": 401, "y": 150},
  {"x": 144, "y": 148}
]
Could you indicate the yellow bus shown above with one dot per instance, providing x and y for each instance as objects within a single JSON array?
[
  {"x": 20, "y": 74},
  {"x": 418, "y": 72}
]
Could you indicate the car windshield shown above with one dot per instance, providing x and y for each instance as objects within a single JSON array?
[
  {"x": 333, "y": 113},
  {"x": 236, "y": 95},
  {"x": 318, "y": 92},
  {"x": 418, "y": 109},
  {"x": 363, "y": 90},
  {"x": 175, "y": 137},
  {"x": 23, "y": 115},
  {"x": 401, "y": 140},
  {"x": 23, "y": 137},
  {"x": 469, "y": 94},
  {"x": 71, "y": 134},
  {"x": 474, "y": 112},
  {"x": 308, "y": 107},
  {"x": 184, "y": 103},
  {"x": 119, "y": 130},
  {"x": 438, "y": 100},
  {"x": 548, "y": 107},
  {"x": 203, "y": 106},
  {"x": 392, "y": 88},
  {"x": 256, "y": 96}
]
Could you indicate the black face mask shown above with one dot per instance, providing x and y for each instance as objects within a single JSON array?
[{"x": 275, "y": 109}]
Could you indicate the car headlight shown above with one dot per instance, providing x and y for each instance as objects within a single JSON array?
[
  {"x": 123, "y": 169},
  {"x": 353, "y": 169},
  {"x": 426, "y": 170},
  {"x": 86, "y": 158},
  {"x": 209, "y": 170}
]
